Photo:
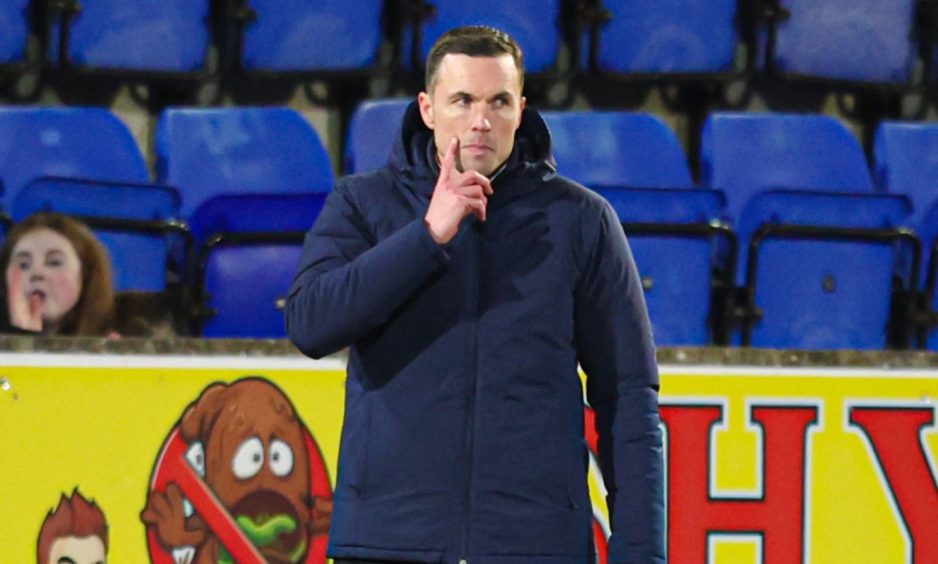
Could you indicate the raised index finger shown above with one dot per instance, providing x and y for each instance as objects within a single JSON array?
[{"x": 450, "y": 159}]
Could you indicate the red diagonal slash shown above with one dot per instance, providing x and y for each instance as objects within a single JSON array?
[{"x": 206, "y": 504}]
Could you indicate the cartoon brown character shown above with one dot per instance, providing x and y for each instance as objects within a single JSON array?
[
  {"x": 247, "y": 443},
  {"x": 75, "y": 532}
]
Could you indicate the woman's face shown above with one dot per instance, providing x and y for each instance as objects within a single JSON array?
[{"x": 50, "y": 269}]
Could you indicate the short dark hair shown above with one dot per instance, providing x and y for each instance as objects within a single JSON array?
[{"x": 475, "y": 41}]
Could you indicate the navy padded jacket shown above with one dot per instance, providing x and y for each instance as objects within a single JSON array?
[{"x": 463, "y": 432}]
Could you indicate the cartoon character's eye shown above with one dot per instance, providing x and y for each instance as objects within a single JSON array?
[
  {"x": 196, "y": 457},
  {"x": 281, "y": 458},
  {"x": 249, "y": 459}
]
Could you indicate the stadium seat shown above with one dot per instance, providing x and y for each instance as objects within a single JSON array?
[
  {"x": 865, "y": 41},
  {"x": 746, "y": 153},
  {"x": 805, "y": 179},
  {"x": 617, "y": 149},
  {"x": 299, "y": 35},
  {"x": 87, "y": 143},
  {"x": 906, "y": 160},
  {"x": 532, "y": 23},
  {"x": 667, "y": 37},
  {"x": 250, "y": 249},
  {"x": 636, "y": 162},
  {"x": 374, "y": 126},
  {"x": 133, "y": 221},
  {"x": 208, "y": 152},
  {"x": 14, "y": 29},
  {"x": 143, "y": 36},
  {"x": 821, "y": 269}
]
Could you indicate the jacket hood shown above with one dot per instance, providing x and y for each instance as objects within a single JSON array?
[{"x": 411, "y": 156}]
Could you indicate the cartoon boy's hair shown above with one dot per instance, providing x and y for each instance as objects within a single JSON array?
[{"x": 75, "y": 516}]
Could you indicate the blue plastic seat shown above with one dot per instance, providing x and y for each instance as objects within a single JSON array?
[
  {"x": 906, "y": 159},
  {"x": 636, "y": 162},
  {"x": 668, "y": 36},
  {"x": 87, "y": 143},
  {"x": 816, "y": 291},
  {"x": 374, "y": 126},
  {"x": 250, "y": 251},
  {"x": 849, "y": 40},
  {"x": 208, "y": 152},
  {"x": 133, "y": 221},
  {"x": 299, "y": 35},
  {"x": 746, "y": 153},
  {"x": 143, "y": 35},
  {"x": 617, "y": 149},
  {"x": 532, "y": 23},
  {"x": 14, "y": 29}
]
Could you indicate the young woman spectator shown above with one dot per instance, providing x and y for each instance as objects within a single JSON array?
[{"x": 57, "y": 279}]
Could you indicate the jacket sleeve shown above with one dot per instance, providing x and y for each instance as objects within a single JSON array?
[
  {"x": 347, "y": 283},
  {"x": 615, "y": 350}
]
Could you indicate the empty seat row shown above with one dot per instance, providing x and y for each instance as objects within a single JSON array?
[
  {"x": 845, "y": 40},
  {"x": 788, "y": 197}
]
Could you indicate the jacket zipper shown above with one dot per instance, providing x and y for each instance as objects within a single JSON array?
[{"x": 474, "y": 298}]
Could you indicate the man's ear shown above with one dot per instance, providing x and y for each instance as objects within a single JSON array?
[
  {"x": 521, "y": 106},
  {"x": 426, "y": 108}
]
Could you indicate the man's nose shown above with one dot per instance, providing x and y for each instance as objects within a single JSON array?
[{"x": 480, "y": 119}]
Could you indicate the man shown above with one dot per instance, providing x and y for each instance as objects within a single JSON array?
[
  {"x": 74, "y": 533},
  {"x": 469, "y": 280}
]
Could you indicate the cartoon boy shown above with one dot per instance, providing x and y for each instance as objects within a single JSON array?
[{"x": 75, "y": 532}]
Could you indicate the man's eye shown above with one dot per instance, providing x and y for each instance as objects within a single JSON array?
[{"x": 55, "y": 262}]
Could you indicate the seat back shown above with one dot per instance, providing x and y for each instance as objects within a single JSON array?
[
  {"x": 14, "y": 29},
  {"x": 250, "y": 248},
  {"x": 852, "y": 40},
  {"x": 532, "y": 23},
  {"x": 746, "y": 153},
  {"x": 825, "y": 293},
  {"x": 668, "y": 36},
  {"x": 374, "y": 126},
  {"x": 299, "y": 35},
  {"x": 207, "y": 152},
  {"x": 88, "y": 143},
  {"x": 137, "y": 240},
  {"x": 617, "y": 149},
  {"x": 245, "y": 286},
  {"x": 143, "y": 35}
]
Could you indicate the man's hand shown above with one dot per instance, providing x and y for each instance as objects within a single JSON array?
[
  {"x": 25, "y": 313},
  {"x": 456, "y": 195}
]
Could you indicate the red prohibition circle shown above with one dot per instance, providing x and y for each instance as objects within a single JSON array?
[{"x": 171, "y": 466}]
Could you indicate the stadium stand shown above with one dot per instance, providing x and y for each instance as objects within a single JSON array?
[{"x": 14, "y": 31}]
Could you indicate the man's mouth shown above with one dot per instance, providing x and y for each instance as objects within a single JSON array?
[
  {"x": 476, "y": 148},
  {"x": 39, "y": 294}
]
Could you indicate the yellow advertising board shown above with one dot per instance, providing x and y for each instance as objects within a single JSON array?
[{"x": 812, "y": 465}]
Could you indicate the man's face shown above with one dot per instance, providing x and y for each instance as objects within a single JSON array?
[
  {"x": 478, "y": 100},
  {"x": 77, "y": 550}
]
